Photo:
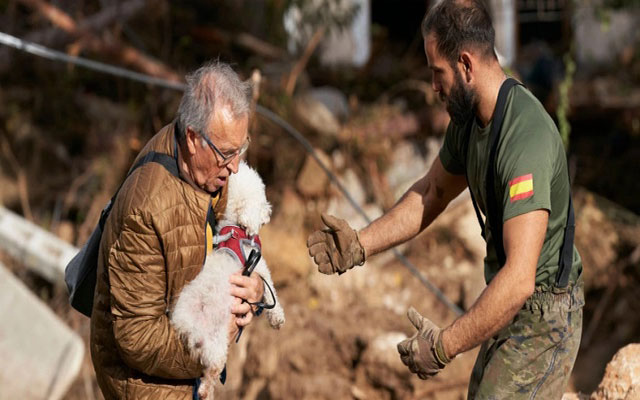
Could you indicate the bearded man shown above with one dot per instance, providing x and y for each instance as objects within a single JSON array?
[{"x": 528, "y": 319}]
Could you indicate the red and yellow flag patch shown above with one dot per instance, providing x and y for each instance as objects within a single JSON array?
[{"x": 521, "y": 187}]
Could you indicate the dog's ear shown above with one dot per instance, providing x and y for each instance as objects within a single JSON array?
[
  {"x": 265, "y": 213},
  {"x": 253, "y": 218}
]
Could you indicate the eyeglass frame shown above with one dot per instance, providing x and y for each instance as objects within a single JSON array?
[{"x": 226, "y": 160}]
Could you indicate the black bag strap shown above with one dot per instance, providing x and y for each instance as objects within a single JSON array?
[
  {"x": 493, "y": 208},
  {"x": 494, "y": 213},
  {"x": 168, "y": 162}
]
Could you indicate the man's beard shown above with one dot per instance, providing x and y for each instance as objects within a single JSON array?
[{"x": 460, "y": 102}]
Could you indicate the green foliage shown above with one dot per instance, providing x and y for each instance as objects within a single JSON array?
[
  {"x": 603, "y": 11},
  {"x": 563, "y": 98}
]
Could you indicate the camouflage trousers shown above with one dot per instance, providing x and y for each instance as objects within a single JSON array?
[{"x": 533, "y": 357}]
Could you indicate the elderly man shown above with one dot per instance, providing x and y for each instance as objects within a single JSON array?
[
  {"x": 529, "y": 318},
  {"x": 156, "y": 238}
]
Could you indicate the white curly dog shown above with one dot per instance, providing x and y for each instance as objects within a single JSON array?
[{"x": 203, "y": 311}]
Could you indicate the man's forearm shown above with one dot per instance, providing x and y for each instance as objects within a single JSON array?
[
  {"x": 415, "y": 210},
  {"x": 509, "y": 289},
  {"x": 494, "y": 309}
]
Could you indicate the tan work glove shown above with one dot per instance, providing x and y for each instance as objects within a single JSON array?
[
  {"x": 337, "y": 248},
  {"x": 423, "y": 352}
]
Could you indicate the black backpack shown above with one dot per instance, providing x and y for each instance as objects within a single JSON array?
[
  {"x": 80, "y": 273},
  {"x": 494, "y": 211}
]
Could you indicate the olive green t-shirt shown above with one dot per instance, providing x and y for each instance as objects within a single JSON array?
[{"x": 531, "y": 174}]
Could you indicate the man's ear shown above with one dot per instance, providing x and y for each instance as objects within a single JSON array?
[
  {"x": 465, "y": 63},
  {"x": 191, "y": 139}
]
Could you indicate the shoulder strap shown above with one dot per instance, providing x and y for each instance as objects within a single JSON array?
[
  {"x": 566, "y": 251},
  {"x": 168, "y": 162},
  {"x": 494, "y": 213},
  {"x": 494, "y": 210}
]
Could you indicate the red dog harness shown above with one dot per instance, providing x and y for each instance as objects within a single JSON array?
[{"x": 233, "y": 239}]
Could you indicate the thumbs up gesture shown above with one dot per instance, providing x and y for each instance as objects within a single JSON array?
[
  {"x": 423, "y": 352},
  {"x": 335, "y": 248}
]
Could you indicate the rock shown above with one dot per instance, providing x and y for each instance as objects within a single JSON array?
[
  {"x": 312, "y": 179},
  {"x": 286, "y": 254},
  {"x": 339, "y": 160},
  {"x": 409, "y": 163},
  {"x": 352, "y": 184},
  {"x": 315, "y": 115},
  {"x": 333, "y": 99},
  {"x": 378, "y": 126},
  {"x": 622, "y": 377},
  {"x": 599, "y": 252},
  {"x": 383, "y": 367},
  {"x": 460, "y": 218},
  {"x": 575, "y": 396},
  {"x": 382, "y": 351},
  {"x": 291, "y": 211},
  {"x": 342, "y": 208}
]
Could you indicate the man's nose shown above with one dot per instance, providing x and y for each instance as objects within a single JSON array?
[{"x": 234, "y": 165}]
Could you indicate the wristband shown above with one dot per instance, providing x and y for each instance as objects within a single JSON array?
[
  {"x": 441, "y": 355},
  {"x": 364, "y": 253}
]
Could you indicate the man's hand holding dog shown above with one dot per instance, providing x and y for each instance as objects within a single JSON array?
[
  {"x": 247, "y": 288},
  {"x": 336, "y": 248}
]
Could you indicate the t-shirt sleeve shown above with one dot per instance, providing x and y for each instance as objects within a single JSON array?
[
  {"x": 451, "y": 155},
  {"x": 525, "y": 172}
]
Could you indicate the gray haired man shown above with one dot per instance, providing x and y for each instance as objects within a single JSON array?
[{"x": 157, "y": 236}]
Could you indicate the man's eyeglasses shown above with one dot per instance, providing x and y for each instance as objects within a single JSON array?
[{"x": 227, "y": 158}]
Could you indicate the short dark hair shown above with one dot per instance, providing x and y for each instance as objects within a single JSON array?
[{"x": 459, "y": 25}]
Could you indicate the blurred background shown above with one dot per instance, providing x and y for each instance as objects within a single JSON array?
[{"x": 351, "y": 76}]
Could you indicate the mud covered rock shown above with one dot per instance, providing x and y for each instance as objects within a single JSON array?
[
  {"x": 312, "y": 180},
  {"x": 622, "y": 377}
]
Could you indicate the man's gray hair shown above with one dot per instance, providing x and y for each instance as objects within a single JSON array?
[{"x": 213, "y": 85}]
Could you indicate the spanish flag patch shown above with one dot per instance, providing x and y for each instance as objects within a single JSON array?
[{"x": 521, "y": 187}]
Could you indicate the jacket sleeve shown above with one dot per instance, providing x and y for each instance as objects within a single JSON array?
[{"x": 144, "y": 335}]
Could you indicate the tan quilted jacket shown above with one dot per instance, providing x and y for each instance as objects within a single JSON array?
[{"x": 153, "y": 244}]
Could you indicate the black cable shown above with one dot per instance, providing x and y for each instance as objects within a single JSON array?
[{"x": 50, "y": 54}]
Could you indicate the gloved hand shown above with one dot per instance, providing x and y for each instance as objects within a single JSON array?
[
  {"x": 423, "y": 352},
  {"x": 337, "y": 248}
]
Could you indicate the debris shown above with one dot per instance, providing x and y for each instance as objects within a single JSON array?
[
  {"x": 622, "y": 377},
  {"x": 40, "y": 354},
  {"x": 34, "y": 247},
  {"x": 312, "y": 180},
  {"x": 314, "y": 114}
]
